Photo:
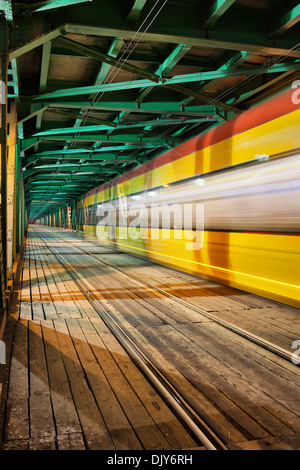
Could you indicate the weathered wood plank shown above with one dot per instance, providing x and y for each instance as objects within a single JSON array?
[
  {"x": 65, "y": 414},
  {"x": 117, "y": 424},
  {"x": 94, "y": 428}
]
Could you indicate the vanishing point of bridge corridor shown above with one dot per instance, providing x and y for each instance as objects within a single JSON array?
[{"x": 150, "y": 220}]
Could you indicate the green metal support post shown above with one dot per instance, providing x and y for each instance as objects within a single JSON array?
[{"x": 3, "y": 138}]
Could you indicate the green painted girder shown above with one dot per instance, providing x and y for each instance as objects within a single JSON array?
[
  {"x": 15, "y": 77},
  {"x": 179, "y": 79},
  {"x": 80, "y": 117},
  {"x": 110, "y": 126},
  {"x": 205, "y": 99},
  {"x": 72, "y": 167},
  {"x": 286, "y": 21},
  {"x": 259, "y": 43},
  {"x": 36, "y": 193},
  {"x": 175, "y": 56},
  {"x": 6, "y": 7},
  {"x": 39, "y": 41},
  {"x": 54, "y": 189},
  {"x": 49, "y": 5},
  {"x": 217, "y": 39},
  {"x": 104, "y": 72},
  {"x": 118, "y": 138},
  {"x": 45, "y": 65},
  {"x": 218, "y": 8},
  {"x": 44, "y": 179},
  {"x": 26, "y": 144},
  {"x": 33, "y": 114},
  {"x": 108, "y": 59},
  {"x": 149, "y": 58},
  {"x": 232, "y": 63},
  {"x": 112, "y": 157},
  {"x": 156, "y": 122},
  {"x": 125, "y": 139},
  {"x": 235, "y": 61},
  {"x": 49, "y": 197},
  {"x": 136, "y": 10},
  {"x": 141, "y": 108},
  {"x": 166, "y": 66},
  {"x": 95, "y": 152},
  {"x": 105, "y": 68},
  {"x": 67, "y": 177}
]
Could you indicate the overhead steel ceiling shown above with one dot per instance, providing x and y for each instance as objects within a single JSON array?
[{"x": 105, "y": 85}]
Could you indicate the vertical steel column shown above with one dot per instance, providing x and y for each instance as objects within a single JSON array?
[
  {"x": 69, "y": 217},
  {"x": 74, "y": 216},
  {"x": 22, "y": 210},
  {"x": 3, "y": 138},
  {"x": 11, "y": 188},
  {"x": 18, "y": 199}
]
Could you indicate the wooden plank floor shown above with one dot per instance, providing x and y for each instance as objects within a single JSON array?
[
  {"x": 68, "y": 384},
  {"x": 79, "y": 381}
]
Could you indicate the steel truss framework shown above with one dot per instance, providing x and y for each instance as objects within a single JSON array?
[{"x": 101, "y": 87}]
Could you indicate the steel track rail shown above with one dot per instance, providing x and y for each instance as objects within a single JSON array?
[
  {"x": 281, "y": 352},
  {"x": 200, "y": 431}
]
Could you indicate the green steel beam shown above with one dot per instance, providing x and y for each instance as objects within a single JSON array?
[
  {"x": 44, "y": 179},
  {"x": 65, "y": 187},
  {"x": 15, "y": 77},
  {"x": 149, "y": 58},
  {"x": 112, "y": 157},
  {"x": 31, "y": 115},
  {"x": 30, "y": 142},
  {"x": 233, "y": 63},
  {"x": 45, "y": 62},
  {"x": 177, "y": 80},
  {"x": 120, "y": 138},
  {"x": 37, "y": 193},
  {"x": 140, "y": 108},
  {"x": 64, "y": 176},
  {"x": 105, "y": 126},
  {"x": 80, "y": 117},
  {"x": 175, "y": 56},
  {"x": 6, "y": 7},
  {"x": 156, "y": 122},
  {"x": 205, "y": 99},
  {"x": 218, "y": 8},
  {"x": 102, "y": 57},
  {"x": 286, "y": 21},
  {"x": 38, "y": 41},
  {"x": 105, "y": 68},
  {"x": 135, "y": 12},
  {"x": 49, "y": 5},
  {"x": 26, "y": 144},
  {"x": 259, "y": 43},
  {"x": 95, "y": 151},
  {"x": 72, "y": 167},
  {"x": 45, "y": 65},
  {"x": 217, "y": 40}
]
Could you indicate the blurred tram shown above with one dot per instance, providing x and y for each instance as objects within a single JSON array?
[{"x": 224, "y": 205}]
